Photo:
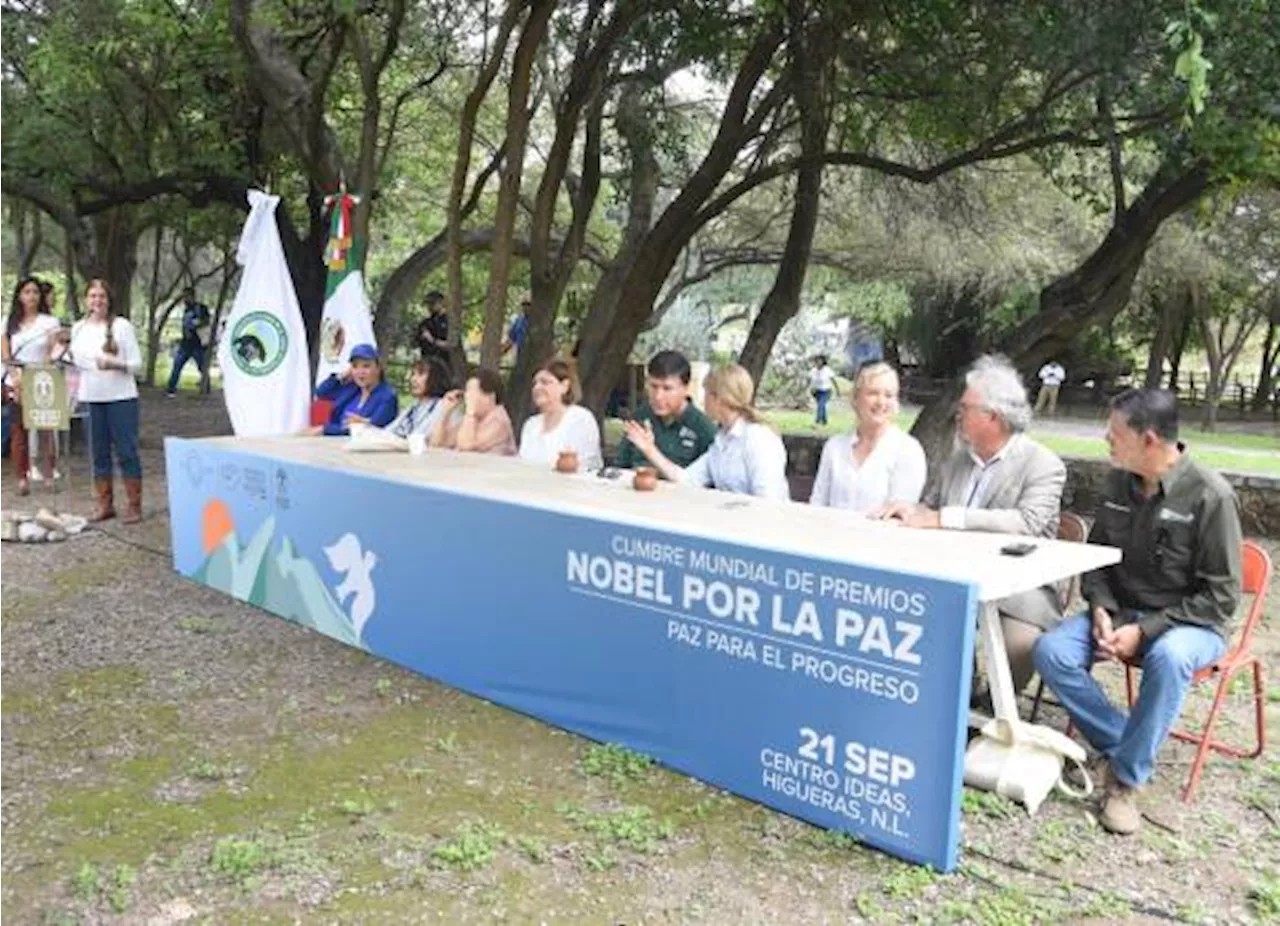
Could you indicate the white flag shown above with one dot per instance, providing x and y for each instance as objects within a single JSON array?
[
  {"x": 346, "y": 321},
  {"x": 266, "y": 378}
]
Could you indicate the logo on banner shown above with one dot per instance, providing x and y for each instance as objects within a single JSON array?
[
  {"x": 44, "y": 399},
  {"x": 282, "y": 488},
  {"x": 43, "y": 390},
  {"x": 333, "y": 338},
  {"x": 194, "y": 469},
  {"x": 259, "y": 343}
]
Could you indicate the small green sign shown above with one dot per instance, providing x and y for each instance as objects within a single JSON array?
[{"x": 44, "y": 399}]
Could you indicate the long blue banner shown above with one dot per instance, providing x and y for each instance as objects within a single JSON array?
[{"x": 832, "y": 692}]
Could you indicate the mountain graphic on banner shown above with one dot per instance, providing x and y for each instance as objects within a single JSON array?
[{"x": 281, "y": 582}]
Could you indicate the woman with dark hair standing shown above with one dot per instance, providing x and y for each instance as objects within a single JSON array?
[
  {"x": 106, "y": 350},
  {"x": 28, "y": 338}
]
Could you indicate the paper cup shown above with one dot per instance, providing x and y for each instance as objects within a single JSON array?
[{"x": 417, "y": 444}]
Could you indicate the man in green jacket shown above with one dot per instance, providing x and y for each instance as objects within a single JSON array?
[{"x": 681, "y": 431}]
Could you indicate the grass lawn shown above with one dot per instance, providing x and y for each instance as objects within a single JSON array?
[
  {"x": 189, "y": 381},
  {"x": 1226, "y": 451}
]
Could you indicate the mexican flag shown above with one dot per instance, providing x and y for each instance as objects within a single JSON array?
[
  {"x": 266, "y": 376},
  {"x": 346, "y": 321}
]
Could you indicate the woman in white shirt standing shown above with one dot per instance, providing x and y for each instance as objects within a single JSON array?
[
  {"x": 822, "y": 383},
  {"x": 28, "y": 338},
  {"x": 878, "y": 462},
  {"x": 747, "y": 456},
  {"x": 560, "y": 424},
  {"x": 106, "y": 351}
]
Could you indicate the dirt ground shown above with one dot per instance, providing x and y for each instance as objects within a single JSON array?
[{"x": 173, "y": 756}]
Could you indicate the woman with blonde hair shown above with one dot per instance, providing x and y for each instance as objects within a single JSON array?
[
  {"x": 877, "y": 463},
  {"x": 561, "y": 424},
  {"x": 747, "y": 455}
]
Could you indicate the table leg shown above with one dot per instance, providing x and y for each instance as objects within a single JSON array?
[{"x": 1003, "y": 697}]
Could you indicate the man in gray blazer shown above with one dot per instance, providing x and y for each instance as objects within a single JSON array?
[{"x": 999, "y": 480}]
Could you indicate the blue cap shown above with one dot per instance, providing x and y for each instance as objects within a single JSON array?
[{"x": 364, "y": 352}]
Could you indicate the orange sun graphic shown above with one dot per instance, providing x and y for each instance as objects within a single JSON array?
[{"x": 217, "y": 524}]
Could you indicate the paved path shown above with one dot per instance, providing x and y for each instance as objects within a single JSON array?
[{"x": 1082, "y": 427}]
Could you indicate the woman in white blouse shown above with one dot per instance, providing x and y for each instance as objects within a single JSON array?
[
  {"x": 747, "y": 456},
  {"x": 877, "y": 463},
  {"x": 29, "y": 330},
  {"x": 106, "y": 351},
  {"x": 560, "y": 424}
]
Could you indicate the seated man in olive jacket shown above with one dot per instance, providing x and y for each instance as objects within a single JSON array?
[{"x": 1168, "y": 601}]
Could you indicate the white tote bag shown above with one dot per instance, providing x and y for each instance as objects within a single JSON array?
[{"x": 1023, "y": 762}]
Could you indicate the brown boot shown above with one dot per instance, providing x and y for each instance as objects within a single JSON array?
[
  {"x": 133, "y": 501},
  {"x": 1120, "y": 813},
  {"x": 103, "y": 489}
]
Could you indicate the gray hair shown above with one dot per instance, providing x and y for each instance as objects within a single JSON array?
[{"x": 1002, "y": 391}]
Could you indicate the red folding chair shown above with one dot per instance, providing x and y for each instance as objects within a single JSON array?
[
  {"x": 321, "y": 409},
  {"x": 1255, "y": 579}
]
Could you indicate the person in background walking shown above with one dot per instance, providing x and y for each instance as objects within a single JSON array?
[
  {"x": 822, "y": 382},
  {"x": 1051, "y": 377},
  {"x": 195, "y": 332},
  {"x": 519, "y": 327},
  {"x": 28, "y": 338},
  {"x": 106, "y": 350}
]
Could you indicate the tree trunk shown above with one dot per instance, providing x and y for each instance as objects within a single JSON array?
[
  {"x": 1089, "y": 295},
  {"x": 504, "y": 221},
  {"x": 1185, "y": 321},
  {"x": 812, "y": 47},
  {"x": 116, "y": 241},
  {"x": 69, "y": 278},
  {"x": 681, "y": 219},
  {"x": 388, "y": 316},
  {"x": 153, "y": 299},
  {"x": 1198, "y": 309},
  {"x": 1270, "y": 355},
  {"x": 305, "y": 257},
  {"x": 27, "y": 248},
  {"x": 635, "y": 126},
  {"x": 230, "y": 270},
  {"x": 1166, "y": 321},
  {"x": 551, "y": 267},
  {"x": 461, "y": 164}
]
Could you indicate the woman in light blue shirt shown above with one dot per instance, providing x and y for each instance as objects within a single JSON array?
[
  {"x": 428, "y": 380},
  {"x": 747, "y": 455}
]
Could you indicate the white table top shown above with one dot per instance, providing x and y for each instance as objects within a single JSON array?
[{"x": 786, "y": 527}]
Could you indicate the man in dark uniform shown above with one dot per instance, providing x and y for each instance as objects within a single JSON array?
[
  {"x": 195, "y": 332},
  {"x": 433, "y": 331}
]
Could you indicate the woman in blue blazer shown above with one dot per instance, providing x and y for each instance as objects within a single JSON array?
[{"x": 359, "y": 396}]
